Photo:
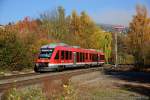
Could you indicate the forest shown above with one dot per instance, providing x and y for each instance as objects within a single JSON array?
[{"x": 20, "y": 41}]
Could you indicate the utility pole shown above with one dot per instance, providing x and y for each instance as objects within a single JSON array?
[
  {"x": 117, "y": 28},
  {"x": 116, "y": 50}
]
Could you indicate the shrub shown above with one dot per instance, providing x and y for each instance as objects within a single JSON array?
[
  {"x": 14, "y": 54},
  {"x": 25, "y": 94}
]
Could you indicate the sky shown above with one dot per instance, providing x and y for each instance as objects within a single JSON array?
[{"x": 115, "y": 12}]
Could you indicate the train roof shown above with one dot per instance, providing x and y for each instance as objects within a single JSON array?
[{"x": 54, "y": 45}]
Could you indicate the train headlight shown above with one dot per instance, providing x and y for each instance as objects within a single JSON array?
[
  {"x": 37, "y": 64},
  {"x": 49, "y": 64}
]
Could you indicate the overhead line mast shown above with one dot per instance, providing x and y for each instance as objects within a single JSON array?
[{"x": 117, "y": 28}]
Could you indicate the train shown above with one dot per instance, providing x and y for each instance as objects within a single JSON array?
[{"x": 58, "y": 56}]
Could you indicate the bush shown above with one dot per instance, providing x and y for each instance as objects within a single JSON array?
[
  {"x": 25, "y": 94},
  {"x": 14, "y": 54}
]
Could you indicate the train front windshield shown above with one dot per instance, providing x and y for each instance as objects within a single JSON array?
[{"x": 46, "y": 53}]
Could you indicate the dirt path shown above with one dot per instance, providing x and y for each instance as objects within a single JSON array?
[{"x": 115, "y": 86}]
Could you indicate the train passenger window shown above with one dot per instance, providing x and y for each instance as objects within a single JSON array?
[
  {"x": 70, "y": 55},
  {"x": 90, "y": 56},
  {"x": 67, "y": 56},
  {"x": 57, "y": 55},
  {"x": 96, "y": 57},
  {"x": 86, "y": 56},
  {"x": 78, "y": 57},
  {"x": 93, "y": 57},
  {"x": 83, "y": 57},
  {"x": 62, "y": 54}
]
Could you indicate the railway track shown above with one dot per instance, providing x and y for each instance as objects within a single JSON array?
[
  {"x": 34, "y": 78},
  {"x": 18, "y": 75}
]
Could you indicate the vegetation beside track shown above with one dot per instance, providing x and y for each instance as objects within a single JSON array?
[{"x": 102, "y": 84}]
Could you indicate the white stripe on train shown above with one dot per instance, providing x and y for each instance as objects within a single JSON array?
[{"x": 75, "y": 64}]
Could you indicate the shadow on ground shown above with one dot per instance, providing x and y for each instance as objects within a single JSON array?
[
  {"x": 138, "y": 82},
  {"x": 138, "y": 89}
]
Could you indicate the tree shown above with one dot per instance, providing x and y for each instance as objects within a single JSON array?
[
  {"x": 14, "y": 55},
  {"x": 75, "y": 28},
  {"x": 54, "y": 23},
  {"x": 139, "y": 34},
  {"x": 88, "y": 27},
  {"x": 103, "y": 41}
]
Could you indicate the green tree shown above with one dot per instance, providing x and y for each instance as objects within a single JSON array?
[{"x": 103, "y": 40}]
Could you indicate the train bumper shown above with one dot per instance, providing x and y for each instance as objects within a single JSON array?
[{"x": 48, "y": 67}]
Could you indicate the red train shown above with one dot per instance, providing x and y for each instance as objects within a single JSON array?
[{"x": 59, "y": 56}]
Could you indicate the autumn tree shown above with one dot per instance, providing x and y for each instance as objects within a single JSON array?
[
  {"x": 14, "y": 54},
  {"x": 54, "y": 23},
  {"x": 103, "y": 40},
  {"x": 139, "y": 35},
  {"x": 74, "y": 28},
  {"x": 88, "y": 28}
]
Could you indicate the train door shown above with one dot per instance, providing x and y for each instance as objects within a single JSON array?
[
  {"x": 62, "y": 56},
  {"x": 98, "y": 58},
  {"x": 74, "y": 58}
]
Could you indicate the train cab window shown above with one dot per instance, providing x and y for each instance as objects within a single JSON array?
[
  {"x": 57, "y": 55},
  {"x": 62, "y": 54},
  {"x": 67, "y": 55},
  {"x": 46, "y": 53}
]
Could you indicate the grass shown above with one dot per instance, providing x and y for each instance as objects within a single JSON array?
[
  {"x": 105, "y": 91},
  {"x": 33, "y": 93},
  {"x": 110, "y": 93}
]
